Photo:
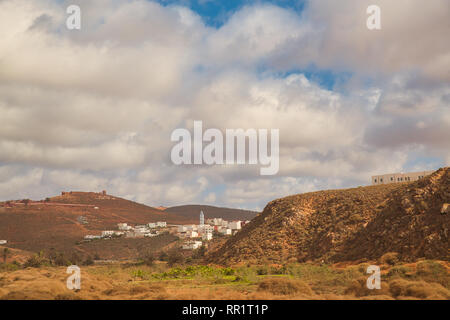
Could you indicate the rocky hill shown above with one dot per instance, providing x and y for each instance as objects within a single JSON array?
[
  {"x": 56, "y": 223},
  {"x": 348, "y": 225}
]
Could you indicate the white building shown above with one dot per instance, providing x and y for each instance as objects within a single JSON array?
[
  {"x": 207, "y": 236},
  {"x": 192, "y": 234},
  {"x": 399, "y": 177},
  {"x": 124, "y": 226},
  {"x": 225, "y": 231},
  {"x": 161, "y": 224},
  {"x": 191, "y": 245},
  {"x": 206, "y": 228},
  {"x": 135, "y": 234},
  {"x": 234, "y": 225},
  {"x": 107, "y": 233},
  {"x": 215, "y": 221},
  {"x": 91, "y": 237},
  {"x": 3, "y": 241},
  {"x": 182, "y": 229},
  {"x": 152, "y": 225}
]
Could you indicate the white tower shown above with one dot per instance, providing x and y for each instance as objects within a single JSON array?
[{"x": 202, "y": 218}]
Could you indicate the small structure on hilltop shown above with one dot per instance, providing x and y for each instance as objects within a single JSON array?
[{"x": 399, "y": 177}]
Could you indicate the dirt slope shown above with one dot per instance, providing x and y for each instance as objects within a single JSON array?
[{"x": 348, "y": 225}]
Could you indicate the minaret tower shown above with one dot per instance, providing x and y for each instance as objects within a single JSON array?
[{"x": 202, "y": 218}]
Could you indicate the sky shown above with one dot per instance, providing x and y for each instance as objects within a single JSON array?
[{"x": 94, "y": 108}]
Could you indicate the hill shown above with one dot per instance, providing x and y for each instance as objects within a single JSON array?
[
  {"x": 348, "y": 225},
  {"x": 54, "y": 223},
  {"x": 192, "y": 212}
]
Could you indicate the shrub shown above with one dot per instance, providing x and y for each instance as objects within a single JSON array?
[
  {"x": 282, "y": 286},
  {"x": 418, "y": 289},
  {"x": 390, "y": 258},
  {"x": 148, "y": 259},
  {"x": 433, "y": 271},
  {"x": 262, "y": 270},
  {"x": 359, "y": 288},
  {"x": 163, "y": 256},
  {"x": 398, "y": 271},
  {"x": 60, "y": 260},
  {"x": 34, "y": 262},
  {"x": 228, "y": 271},
  {"x": 88, "y": 261},
  {"x": 137, "y": 289},
  {"x": 174, "y": 258}
]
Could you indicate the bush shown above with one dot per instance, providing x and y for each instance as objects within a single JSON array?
[
  {"x": 282, "y": 286},
  {"x": 433, "y": 271},
  {"x": 359, "y": 288},
  {"x": 390, "y": 258},
  {"x": 33, "y": 262},
  {"x": 60, "y": 260},
  {"x": 149, "y": 260},
  {"x": 262, "y": 271},
  {"x": 174, "y": 258},
  {"x": 88, "y": 261},
  {"x": 199, "y": 253},
  {"x": 398, "y": 271},
  {"x": 418, "y": 289},
  {"x": 163, "y": 256},
  {"x": 228, "y": 271}
]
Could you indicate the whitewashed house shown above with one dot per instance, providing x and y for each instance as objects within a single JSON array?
[
  {"x": 225, "y": 231},
  {"x": 107, "y": 233},
  {"x": 161, "y": 224},
  {"x": 3, "y": 241},
  {"x": 207, "y": 236},
  {"x": 234, "y": 225},
  {"x": 124, "y": 226},
  {"x": 192, "y": 234},
  {"x": 191, "y": 245},
  {"x": 152, "y": 225},
  {"x": 206, "y": 228},
  {"x": 91, "y": 237}
]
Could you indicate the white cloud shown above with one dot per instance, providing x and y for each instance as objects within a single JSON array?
[{"x": 94, "y": 109}]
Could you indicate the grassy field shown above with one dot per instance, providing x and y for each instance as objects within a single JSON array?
[{"x": 424, "y": 279}]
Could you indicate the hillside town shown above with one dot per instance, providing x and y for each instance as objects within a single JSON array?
[{"x": 194, "y": 234}]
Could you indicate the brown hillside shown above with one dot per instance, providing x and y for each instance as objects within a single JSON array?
[
  {"x": 348, "y": 225},
  {"x": 44, "y": 225}
]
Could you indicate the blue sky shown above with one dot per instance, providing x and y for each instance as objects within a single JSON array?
[{"x": 216, "y": 12}]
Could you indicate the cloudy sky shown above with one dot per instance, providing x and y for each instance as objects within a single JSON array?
[{"x": 94, "y": 109}]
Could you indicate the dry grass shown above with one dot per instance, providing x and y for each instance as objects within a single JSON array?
[
  {"x": 283, "y": 286},
  {"x": 423, "y": 280}
]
